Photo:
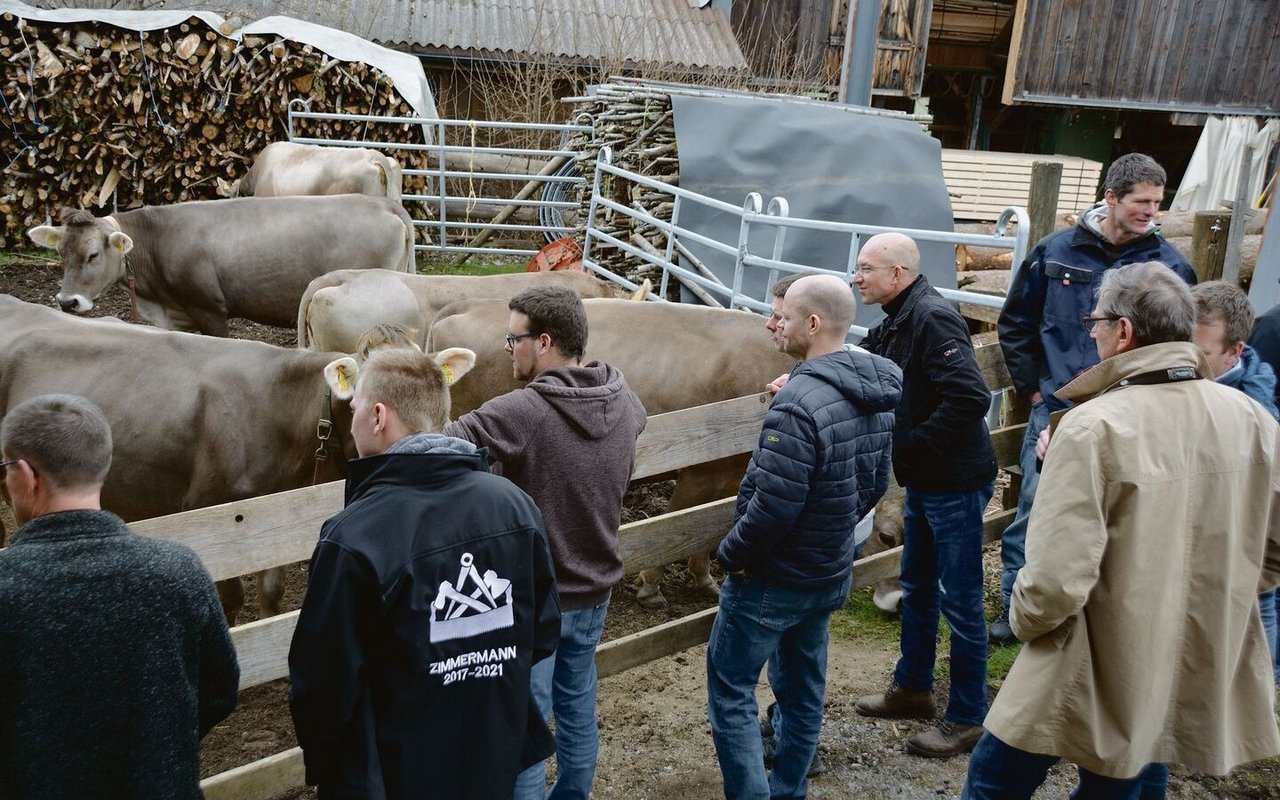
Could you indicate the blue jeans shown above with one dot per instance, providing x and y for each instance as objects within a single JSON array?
[
  {"x": 1267, "y": 607},
  {"x": 761, "y": 622},
  {"x": 942, "y": 573},
  {"x": 1013, "y": 545},
  {"x": 998, "y": 771},
  {"x": 566, "y": 684}
]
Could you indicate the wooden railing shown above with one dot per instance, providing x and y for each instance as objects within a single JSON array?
[{"x": 251, "y": 535}]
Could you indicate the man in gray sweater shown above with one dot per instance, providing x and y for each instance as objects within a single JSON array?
[
  {"x": 568, "y": 439},
  {"x": 114, "y": 653}
]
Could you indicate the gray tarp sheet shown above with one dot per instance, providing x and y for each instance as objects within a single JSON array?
[
  {"x": 1265, "y": 289},
  {"x": 829, "y": 162},
  {"x": 404, "y": 70}
]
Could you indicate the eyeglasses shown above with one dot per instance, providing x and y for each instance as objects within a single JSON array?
[
  {"x": 1090, "y": 321},
  {"x": 4, "y": 465},
  {"x": 512, "y": 338},
  {"x": 868, "y": 270}
]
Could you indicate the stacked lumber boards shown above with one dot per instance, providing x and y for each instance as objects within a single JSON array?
[
  {"x": 984, "y": 183},
  {"x": 101, "y": 117}
]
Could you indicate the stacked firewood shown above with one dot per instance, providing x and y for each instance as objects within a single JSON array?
[
  {"x": 635, "y": 122},
  {"x": 101, "y": 117}
]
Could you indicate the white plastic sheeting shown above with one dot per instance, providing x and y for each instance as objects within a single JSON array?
[
  {"x": 1214, "y": 172},
  {"x": 404, "y": 70}
]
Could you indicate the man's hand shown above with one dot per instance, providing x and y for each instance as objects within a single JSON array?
[
  {"x": 1042, "y": 444},
  {"x": 1036, "y": 397},
  {"x": 777, "y": 383}
]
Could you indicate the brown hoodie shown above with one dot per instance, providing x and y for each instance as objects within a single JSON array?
[{"x": 568, "y": 439}]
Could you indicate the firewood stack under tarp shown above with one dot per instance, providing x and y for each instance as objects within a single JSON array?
[
  {"x": 100, "y": 117},
  {"x": 635, "y": 121}
]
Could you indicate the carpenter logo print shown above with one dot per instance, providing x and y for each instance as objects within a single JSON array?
[{"x": 458, "y": 613}]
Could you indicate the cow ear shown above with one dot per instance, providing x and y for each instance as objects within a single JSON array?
[
  {"x": 46, "y": 236},
  {"x": 643, "y": 291},
  {"x": 341, "y": 377},
  {"x": 120, "y": 241},
  {"x": 455, "y": 362}
]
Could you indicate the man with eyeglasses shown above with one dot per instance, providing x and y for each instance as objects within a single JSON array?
[
  {"x": 942, "y": 457},
  {"x": 1157, "y": 523},
  {"x": 568, "y": 439},
  {"x": 1043, "y": 343},
  {"x": 115, "y": 659}
]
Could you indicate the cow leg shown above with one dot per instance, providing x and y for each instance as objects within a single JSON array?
[
  {"x": 694, "y": 486},
  {"x": 270, "y": 592},
  {"x": 231, "y": 594}
]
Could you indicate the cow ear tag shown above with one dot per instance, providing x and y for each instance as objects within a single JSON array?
[
  {"x": 454, "y": 362},
  {"x": 46, "y": 236},
  {"x": 341, "y": 377}
]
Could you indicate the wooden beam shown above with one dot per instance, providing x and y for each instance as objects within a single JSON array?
[
  {"x": 262, "y": 648},
  {"x": 696, "y": 435},
  {"x": 259, "y": 780},
  {"x": 991, "y": 361},
  {"x": 671, "y": 537},
  {"x": 650, "y": 644}
]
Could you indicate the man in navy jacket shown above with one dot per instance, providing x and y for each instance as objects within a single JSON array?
[
  {"x": 1042, "y": 336},
  {"x": 822, "y": 463}
]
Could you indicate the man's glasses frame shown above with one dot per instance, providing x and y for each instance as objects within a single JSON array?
[
  {"x": 512, "y": 338},
  {"x": 4, "y": 465},
  {"x": 1090, "y": 321}
]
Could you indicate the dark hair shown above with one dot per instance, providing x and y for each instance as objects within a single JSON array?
[
  {"x": 63, "y": 437},
  {"x": 1131, "y": 169},
  {"x": 1219, "y": 301},
  {"x": 1155, "y": 300},
  {"x": 779, "y": 288},
  {"x": 558, "y": 312}
]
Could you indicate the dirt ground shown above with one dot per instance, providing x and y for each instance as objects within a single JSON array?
[{"x": 656, "y": 741}]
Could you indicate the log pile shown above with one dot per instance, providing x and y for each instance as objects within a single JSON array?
[
  {"x": 101, "y": 117},
  {"x": 636, "y": 122}
]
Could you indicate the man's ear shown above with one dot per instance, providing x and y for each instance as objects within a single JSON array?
[{"x": 1234, "y": 352}]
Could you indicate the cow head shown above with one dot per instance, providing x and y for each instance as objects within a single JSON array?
[{"x": 92, "y": 251}]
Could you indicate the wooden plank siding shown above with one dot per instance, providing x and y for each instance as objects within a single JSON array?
[
  {"x": 984, "y": 183},
  {"x": 1161, "y": 55}
]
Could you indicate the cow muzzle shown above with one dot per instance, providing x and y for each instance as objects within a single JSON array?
[{"x": 74, "y": 303}]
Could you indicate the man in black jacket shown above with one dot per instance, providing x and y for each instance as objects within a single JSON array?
[
  {"x": 431, "y": 595},
  {"x": 114, "y": 654},
  {"x": 822, "y": 463},
  {"x": 942, "y": 456}
]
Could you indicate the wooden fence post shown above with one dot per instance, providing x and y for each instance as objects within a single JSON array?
[
  {"x": 1209, "y": 243},
  {"x": 1042, "y": 199}
]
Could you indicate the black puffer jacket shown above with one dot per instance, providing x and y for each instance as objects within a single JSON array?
[
  {"x": 821, "y": 465},
  {"x": 431, "y": 595},
  {"x": 940, "y": 438}
]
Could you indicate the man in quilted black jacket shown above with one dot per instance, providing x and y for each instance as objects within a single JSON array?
[{"x": 822, "y": 462}]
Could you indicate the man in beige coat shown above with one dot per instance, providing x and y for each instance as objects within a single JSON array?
[{"x": 1156, "y": 525}]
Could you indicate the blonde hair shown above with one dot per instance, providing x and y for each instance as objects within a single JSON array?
[{"x": 408, "y": 382}]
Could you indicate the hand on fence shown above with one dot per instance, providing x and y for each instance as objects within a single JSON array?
[{"x": 777, "y": 383}]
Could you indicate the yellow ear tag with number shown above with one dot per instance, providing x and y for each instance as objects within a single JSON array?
[
  {"x": 448, "y": 374},
  {"x": 344, "y": 381}
]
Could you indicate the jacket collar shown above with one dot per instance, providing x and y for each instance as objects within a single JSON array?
[
  {"x": 65, "y": 525},
  {"x": 1105, "y": 375},
  {"x": 1086, "y": 237},
  {"x": 900, "y": 307},
  {"x": 410, "y": 469}
]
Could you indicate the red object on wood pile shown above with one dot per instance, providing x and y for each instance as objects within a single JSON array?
[{"x": 561, "y": 254}]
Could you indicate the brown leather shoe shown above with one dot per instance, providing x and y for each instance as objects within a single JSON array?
[
  {"x": 897, "y": 703},
  {"x": 945, "y": 740}
]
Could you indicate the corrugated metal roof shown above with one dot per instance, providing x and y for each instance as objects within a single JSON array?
[{"x": 669, "y": 32}]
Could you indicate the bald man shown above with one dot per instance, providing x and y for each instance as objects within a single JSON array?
[
  {"x": 942, "y": 456},
  {"x": 821, "y": 464}
]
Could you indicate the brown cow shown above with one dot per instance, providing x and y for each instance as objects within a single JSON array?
[
  {"x": 674, "y": 356},
  {"x": 196, "y": 264},
  {"x": 196, "y": 420},
  {"x": 286, "y": 168},
  {"x": 338, "y": 307}
]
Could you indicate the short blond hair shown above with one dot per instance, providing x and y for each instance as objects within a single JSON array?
[{"x": 409, "y": 383}]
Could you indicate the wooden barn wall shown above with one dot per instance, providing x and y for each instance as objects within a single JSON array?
[{"x": 1167, "y": 55}]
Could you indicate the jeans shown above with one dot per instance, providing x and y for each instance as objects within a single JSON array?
[
  {"x": 1013, "y": 544},
  {"x": 759, "y": 622},
  {"x": 998, "y": 771},
  {"x": 566, "y": 684},
  {"x": 942, "y": 573},
  {"x": 1267, "y": 606}
]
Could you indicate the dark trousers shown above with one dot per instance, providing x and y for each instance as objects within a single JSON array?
[{"x": 998, "y": 771}]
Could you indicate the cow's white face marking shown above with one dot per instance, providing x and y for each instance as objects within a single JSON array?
[
  {"x": 92, "y": 255},
  {"x": 74, "y": 303}
]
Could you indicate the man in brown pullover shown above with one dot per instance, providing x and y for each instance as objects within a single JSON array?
[{"x": 568, "y": 439}]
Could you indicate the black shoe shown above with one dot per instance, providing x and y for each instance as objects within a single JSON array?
[
  {"x": 1001, "y": 633},
  {"x": 816, "y": 767}
]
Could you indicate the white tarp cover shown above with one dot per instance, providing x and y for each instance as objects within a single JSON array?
[
  {"x": 1214, "y": 172},
  {"x": 404, "y": 70}
]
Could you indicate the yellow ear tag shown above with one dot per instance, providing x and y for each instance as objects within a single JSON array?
[
  {"x": 448, "y": 374},
  {"x": 344, "y": 382}
]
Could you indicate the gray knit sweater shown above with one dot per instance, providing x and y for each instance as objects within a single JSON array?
[
  {"x": 114, "y": 661},
  {"x": 569, "y": 440}
]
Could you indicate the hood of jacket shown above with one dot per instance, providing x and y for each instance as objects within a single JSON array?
[
  {"x": 868, "y": 381},
  {"x": 1091, "y": 221},
  {"x": 1106, "y": 374},
  {"x": 592, "y": 397},
  {"x": 418, "y": 460},
  {"x": 1254, "y": 377}
]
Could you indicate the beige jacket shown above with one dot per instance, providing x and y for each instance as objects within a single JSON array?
[{"x": 1156, "y": 524}]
